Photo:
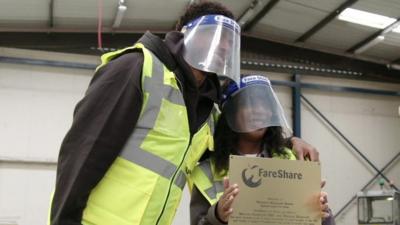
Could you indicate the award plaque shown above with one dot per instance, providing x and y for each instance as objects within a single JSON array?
[{"x": 275, "y": 191}]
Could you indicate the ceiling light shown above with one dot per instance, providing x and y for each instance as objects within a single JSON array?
[
  {"x": 366, "y": 18},
  {"x": 395, "y": 67},
  {"x": 120, "y": 14},
  {"x": 397, "y": 29}
]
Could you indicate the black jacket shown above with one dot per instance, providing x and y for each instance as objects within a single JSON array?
[{"x": 106, "y": 116}]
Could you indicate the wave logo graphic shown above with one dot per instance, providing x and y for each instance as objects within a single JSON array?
[{"x": 250, "y": 175}]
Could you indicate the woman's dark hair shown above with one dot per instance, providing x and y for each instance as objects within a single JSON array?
[
  {"x": 196, "y": 10},
  {"x": 226, "y": 142}
]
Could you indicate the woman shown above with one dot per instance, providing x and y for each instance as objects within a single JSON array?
[{"x": 252, "y": 123}]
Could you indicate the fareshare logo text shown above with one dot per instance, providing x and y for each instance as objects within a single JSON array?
[{"x": 254, "y": 175}]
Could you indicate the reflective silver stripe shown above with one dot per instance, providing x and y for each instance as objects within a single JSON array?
[
  {"x": 180, "y": 180},
  {"x": 211, "y": 119},
  {"x": 206, "y": 167},
  {"x": 217, "y": 186},
  {"x": 162, "y": 91},
  {"x": 211, "y": 193},
  {"x": 132, "y": 151},
  {"x": 147, "y": 159},
  {"x": 173, "y": 95},
  {"x": 154, "y": 85}
]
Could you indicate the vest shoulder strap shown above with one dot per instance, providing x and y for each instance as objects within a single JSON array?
[
  {"x": 288, "y": 154},
  {"x": 210, "y": 186}
]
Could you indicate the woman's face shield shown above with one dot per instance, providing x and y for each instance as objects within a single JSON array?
[
  {"x": 254, "y": 107},
  {"x": 212, "y": 44}
]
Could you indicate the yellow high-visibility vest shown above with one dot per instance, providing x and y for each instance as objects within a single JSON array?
[{"x": 144, "y": 184}]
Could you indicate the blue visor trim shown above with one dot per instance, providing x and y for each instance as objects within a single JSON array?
[
  {"x": 214, "y": 20},
  {"x": 230, "y": 89},
  {"x": 245, "y": 81}
]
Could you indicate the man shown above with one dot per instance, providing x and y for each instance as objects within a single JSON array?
[{"x": 143, "y": 124}]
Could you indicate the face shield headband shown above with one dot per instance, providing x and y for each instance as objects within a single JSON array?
[{"x": 212, "y": 44}]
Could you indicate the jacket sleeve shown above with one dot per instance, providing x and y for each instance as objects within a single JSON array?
[
  {"x": 330, "y": 220},
  {"x": 201, "y": 213},
  {"x": 102, "y": 122}
]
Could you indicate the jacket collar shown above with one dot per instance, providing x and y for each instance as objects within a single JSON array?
[{"x": 156, "y": 45}]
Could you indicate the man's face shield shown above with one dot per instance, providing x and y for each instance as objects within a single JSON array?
[
  {"x": 253, "y": 107},
  {"x": 212, "y": 44}
]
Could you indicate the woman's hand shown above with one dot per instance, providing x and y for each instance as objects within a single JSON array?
[
  {"x": 224, "y": 205},
  {"x": 304, "y": 150},
  {"x": 323, "y": 199},
  {"x": 323, "y": 202}
]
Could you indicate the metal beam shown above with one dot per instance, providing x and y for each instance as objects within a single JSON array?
[
  {"x": 79, "y": 43},
  {"x": 260, "y": 15},
  {"x": 27, "y": 161},
  {"x": 323, "y": 87},
  {"x": 73, "y": 65},
  {"x": 366, "y": 185},
  {"x": 298, "y": 59},
  {"x": 251, "y": 7},
  {"x": 51, "y": 14},
  {"x": 325, "y": 21},
  {"x": 349, "y": 89},
  {"x": 109, "y": 30},
  {"x": 308, "y": 61},
  {"x": 396, "y": 61},
  {"x": 320, "y": 71},
  {"x": 346, "y": 140},
  {"x": 374, "y": 36},
  {"x": 41, "y": 62},
  {"x": 296, "y": 104}
]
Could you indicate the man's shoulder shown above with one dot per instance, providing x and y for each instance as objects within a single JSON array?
[
  {"x": 125, "y": 65},
  {"x": 129, "y": 57}
]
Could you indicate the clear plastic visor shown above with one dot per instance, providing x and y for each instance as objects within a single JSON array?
[
  {"x": 254, "y": 107},
  {"x": 212, "y": 44}
]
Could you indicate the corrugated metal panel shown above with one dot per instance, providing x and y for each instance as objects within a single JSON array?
[
  {"x": 384, "y": 51},
  {"x": 82, "y": 14},
  {"x": 392, "y": 38},
  {"x": 290, "y": 19},
  {"x": 153, "y": 14},
  {"x": 237, "y": 7},
  {"x": 340, "y": 35},
  {"x": 274, "y": 33},
  {"x": 286, "y": 22},
  {"x": 389, "y": 8},
  {"x": 24, "y": 13},
  {"x": 388, "y": 49},
  {"x": 149, "y": 14},
  {"x": 323, "y": 5}
]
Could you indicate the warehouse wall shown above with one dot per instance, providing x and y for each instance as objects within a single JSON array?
[
  {"x": 36, "y": 111},
  {"x": 370, "y": 122}
]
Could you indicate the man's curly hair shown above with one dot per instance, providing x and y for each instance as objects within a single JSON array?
[{"x": 196, "y": 10}]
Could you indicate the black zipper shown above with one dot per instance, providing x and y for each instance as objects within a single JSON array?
[
  {"x": 183, "y": 159},
  {"x": 173, "y": 178}
]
